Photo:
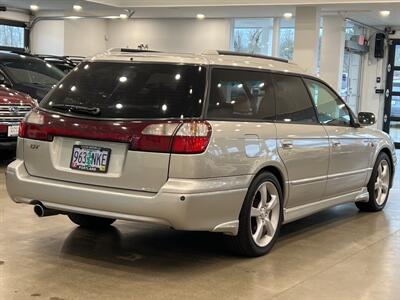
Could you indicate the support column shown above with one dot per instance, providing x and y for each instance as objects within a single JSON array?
[
  {"x": 332, "y": 51},
  {"x": 306, "y": 38}
]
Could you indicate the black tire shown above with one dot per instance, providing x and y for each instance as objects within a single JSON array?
[
  {"x": 91, "y": 222},
  {"x": 243, "y": 243},
  {"x": 372, "y": 205}
]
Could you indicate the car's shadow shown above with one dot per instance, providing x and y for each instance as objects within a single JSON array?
[{"x": 151, "y": 246}]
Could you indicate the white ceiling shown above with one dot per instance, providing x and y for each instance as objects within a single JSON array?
[{"x": 366, "y": 11}]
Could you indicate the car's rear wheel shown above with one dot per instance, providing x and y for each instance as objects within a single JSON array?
[
  {"x": 378, "y": 186},
  {"x": 91, "y": 222},
  {"x": 260, "y": 218}
]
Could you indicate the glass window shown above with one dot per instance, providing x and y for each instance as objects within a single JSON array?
[
  {"x": 33, "y": 71},
  {"x": 293, "y": 103},
  {"x": 331, "y": 110},
  {"x": 397, "y": 56},
  {"x": 253, "y": 36},
  {"x": 286, "y": 38},
  {"x": 241, "y": 95},
  {"x": 12, "y": 36},
  {"x": 132, "y": 90}
]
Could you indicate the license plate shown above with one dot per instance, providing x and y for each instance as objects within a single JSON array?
[
  {"x": 12, "y": 130},
  {"x": 90, "y": 158}
]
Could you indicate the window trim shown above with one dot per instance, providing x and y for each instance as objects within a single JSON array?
[
  {"x": 309, "y": 98},
  {"x": 26, "y": 34},
  {"x": 353, "y": 119}
]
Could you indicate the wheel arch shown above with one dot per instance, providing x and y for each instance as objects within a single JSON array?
[
  {"x": 389, "y": 154},
  {"x": 279, "y": 174}
]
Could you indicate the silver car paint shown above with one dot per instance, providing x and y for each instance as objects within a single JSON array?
[{"x": 204, "y": 191}]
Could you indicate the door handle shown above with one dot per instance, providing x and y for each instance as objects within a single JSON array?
[
  {"x": 336, "y": 144},
  {"x": 287, "y": 144}
]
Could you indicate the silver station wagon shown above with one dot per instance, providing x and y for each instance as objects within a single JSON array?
[{"x": 220, "y": 142}]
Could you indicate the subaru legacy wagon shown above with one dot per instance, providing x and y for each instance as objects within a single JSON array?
[{"x": 220, "y": 142}]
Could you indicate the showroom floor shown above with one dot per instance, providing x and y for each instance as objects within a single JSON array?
[{"x": 336, "y": 254}]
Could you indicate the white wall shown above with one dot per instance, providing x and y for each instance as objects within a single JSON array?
[
  {"x": 47, "y": 37},
  {"x": 332, "y": 51},
  {"x": 185, "y": 35},
  {"x": 84, "y": 37},
  {"x": 307, "y": 25}
]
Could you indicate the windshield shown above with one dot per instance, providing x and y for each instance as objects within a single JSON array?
[
  {"x": 32, "y": 71},
  {"x": 122, "y": 90}
]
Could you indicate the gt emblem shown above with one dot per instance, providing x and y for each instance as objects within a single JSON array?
[{"x": 34, "y": 146}]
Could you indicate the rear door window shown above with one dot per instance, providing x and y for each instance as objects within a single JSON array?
[
  {"x": 132, "y": 90},
  {"x": 239, "y": 94},
  {"x": 293, "y": 104}
]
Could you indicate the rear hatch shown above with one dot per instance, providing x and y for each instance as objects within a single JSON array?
[{"x": 113, "y": 124}]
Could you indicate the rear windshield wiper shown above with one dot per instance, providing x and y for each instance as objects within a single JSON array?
[{"x": 93, "y": 111}]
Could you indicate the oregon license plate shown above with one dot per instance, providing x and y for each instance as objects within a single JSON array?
[
  {"x": 90, "y": 158},
  {"x": 12, "y": 130}
]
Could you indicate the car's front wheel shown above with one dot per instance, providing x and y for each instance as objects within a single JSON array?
[
  {"x": 260, "y": 218},
  {"x": 91, "y": 222},
  {"x": 378, "y": 186}
]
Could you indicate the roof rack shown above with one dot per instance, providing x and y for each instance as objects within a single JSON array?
[
  {"x": 224, "y": 52},
  {"x": 128, "y": 50}
]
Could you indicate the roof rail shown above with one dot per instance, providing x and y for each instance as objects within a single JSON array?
[
  {"x": 224, "y": 52},
  {"x": 128, "y": 50}
]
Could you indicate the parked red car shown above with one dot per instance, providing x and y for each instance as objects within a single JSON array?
[{"x": 13, "y": 108}]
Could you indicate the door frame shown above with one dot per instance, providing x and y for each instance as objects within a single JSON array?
[{"x": 389, "y": 86}]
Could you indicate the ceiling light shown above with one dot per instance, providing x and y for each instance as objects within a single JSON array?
[
  {"x": 287, "y": 15},
  {"x": 200, "y": 16},
  {"x": 123, "y": 16},
  {"x": 34, "y": 7},
  {"x": 77, "y": 7},
  {"x": 385, "y": 13}
]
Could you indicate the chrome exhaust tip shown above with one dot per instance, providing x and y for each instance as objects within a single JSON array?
[{"x": 41, "y": 211}]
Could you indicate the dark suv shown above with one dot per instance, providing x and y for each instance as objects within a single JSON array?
[{"x": 28, "y": 74}]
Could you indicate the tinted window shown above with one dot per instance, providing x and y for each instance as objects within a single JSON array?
[
  {"x": 237, "y": 94},
  {"x": 122, "y": 90},
  {"x": 32, "y": 71},
  {"x": 331, "y": 110},
  {"x": 293, "y": 103}
]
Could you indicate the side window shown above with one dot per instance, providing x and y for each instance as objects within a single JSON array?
[
  {"x": 293, "y": 103},
  {"x": 331, "y": 110},
  {"x": 237, "y": 94}
]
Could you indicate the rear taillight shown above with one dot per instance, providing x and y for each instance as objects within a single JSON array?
[
  {"x": 155, "y": 138},
  {"x": 192, "y": 138},
  {"x": 32, "y": 127},
  {"x": 184, "y": 138}
]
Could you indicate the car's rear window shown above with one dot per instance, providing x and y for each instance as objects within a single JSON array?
[{"x": 132, "y": 90}]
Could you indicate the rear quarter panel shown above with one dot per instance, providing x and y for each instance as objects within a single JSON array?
[{"x": 235, "y": 148}]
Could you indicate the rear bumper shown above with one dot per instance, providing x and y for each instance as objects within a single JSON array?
[{"x": 184, "y": 204}]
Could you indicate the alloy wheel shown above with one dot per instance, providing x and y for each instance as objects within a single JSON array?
[
  {"x": 265, "y": 214},
  {"x": 382, "y": 182}
]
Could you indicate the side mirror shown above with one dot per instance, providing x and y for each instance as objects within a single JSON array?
[{"x": 366, "y": 118}]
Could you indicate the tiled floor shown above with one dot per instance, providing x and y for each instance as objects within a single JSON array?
[{"x": 336, "y": 254}]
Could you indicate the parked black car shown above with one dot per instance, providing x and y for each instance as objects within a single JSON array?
[
  {"x": 64, "y": 63},
  {"x": 28, "y": 74}
]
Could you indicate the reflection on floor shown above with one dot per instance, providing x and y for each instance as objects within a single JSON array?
[{"x": 337, "y": 254}]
